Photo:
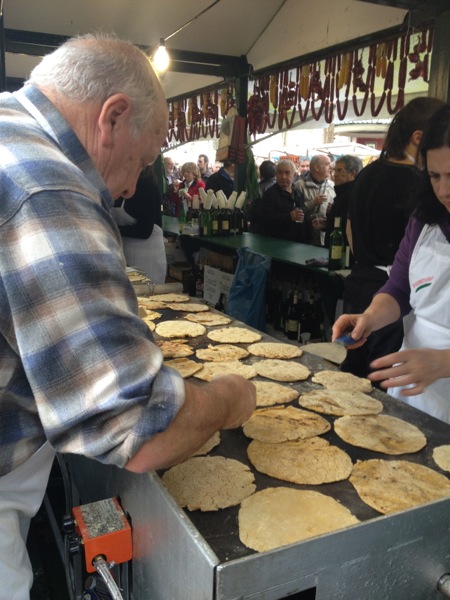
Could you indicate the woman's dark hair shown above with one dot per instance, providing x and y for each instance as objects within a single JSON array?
[
  {"x": 436, "y": 135},
  {"x": 412, "y": 117},
  {"x": 267, "y": 169}
]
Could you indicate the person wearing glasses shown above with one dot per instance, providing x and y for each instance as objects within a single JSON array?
[{"x": 346, "y": 169}]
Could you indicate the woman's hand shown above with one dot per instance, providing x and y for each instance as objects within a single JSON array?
[
  {"x": 357, "y": 326},
  {"x": 417, "y": 368}
]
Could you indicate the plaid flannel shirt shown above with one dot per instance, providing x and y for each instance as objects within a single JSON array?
[{"x": 78, "y": 367}]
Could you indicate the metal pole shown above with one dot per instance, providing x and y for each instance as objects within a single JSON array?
[{"x": 2, "y": 51}]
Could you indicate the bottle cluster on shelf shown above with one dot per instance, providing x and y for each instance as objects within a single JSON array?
[
  {"x": 295, "y": 310},
  {"x": 212, "y": 214}
]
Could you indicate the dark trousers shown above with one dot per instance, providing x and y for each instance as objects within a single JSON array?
[{"x": 359, "y": 288}]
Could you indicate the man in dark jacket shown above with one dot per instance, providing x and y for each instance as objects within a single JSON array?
[
  {"x": 282, "y": 211},
  {"x": 223, "y": 179}
]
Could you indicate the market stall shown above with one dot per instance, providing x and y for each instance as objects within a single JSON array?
[{"x": 185, "y": 554}]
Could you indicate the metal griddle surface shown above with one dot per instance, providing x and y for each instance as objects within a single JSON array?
[{"x": 220, "y": 528}]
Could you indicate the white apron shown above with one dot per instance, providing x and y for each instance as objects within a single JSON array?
[
  {"x": 21, "y": 495},
  {"x": 146, "y": 255},
  {"x": 428, "y": 326}
]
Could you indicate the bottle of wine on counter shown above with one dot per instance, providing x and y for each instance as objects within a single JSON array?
[
  {"x": 215, "y": 230},
  {"x": 182, "y": 217},
  {"x": 224, "y": 214},
  {"x": 335, "y": 255},
  {"x": 204, "y": 216},
  {"x": 293, "y": 318},
  {"x": 238, "y": 214},
  {"x": 195, "y": 214},
  {"x": 230, "y": 207}
]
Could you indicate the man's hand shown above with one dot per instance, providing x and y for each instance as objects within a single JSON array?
[{"x": 225, "y": 403}]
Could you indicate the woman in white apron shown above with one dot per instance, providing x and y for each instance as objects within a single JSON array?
[
  {"x": 140, "y": 223},
  {"x": 419, "y": 287}
]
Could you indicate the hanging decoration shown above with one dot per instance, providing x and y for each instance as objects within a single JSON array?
[{"x": 369, "y": 78}]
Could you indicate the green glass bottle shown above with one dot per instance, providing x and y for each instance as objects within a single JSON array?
[{"x": 335, "y": 251}]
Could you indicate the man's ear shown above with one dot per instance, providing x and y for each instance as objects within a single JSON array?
[
  {"x": 416, "y": 137},
  {"x": 114, "y": 116}
]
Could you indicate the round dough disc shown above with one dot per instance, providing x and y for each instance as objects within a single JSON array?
[
  {"x": 281, "y": 370},
  {"x": 309, "y": 462},
  {"x": 208, "y": 483},
  {"x": 279, "y": 516},
  {"x": 283, "y": 423},
  {"x": 392, "y": 485},
  {"x": 381, "y": 433},
  {"x": 340, "y": 402}
]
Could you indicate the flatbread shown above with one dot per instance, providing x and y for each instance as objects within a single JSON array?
[
  {"x": 381, "y": 433},
  {"x": 274, "y": 350},
  {"x": 221, "y": 352},
  {"x": 151, "y": 315},
  {"x": 185, "y": 366},
  {"x": 151, "y": 304},
  {"x": 340, "y": 402},
  {"x": 174, "y": 349},
  {"x": 309, "y": 462},
  {"x": 333, "y": 352},
  {"x": 213, "y": 441},
  {"x": 283, "y": 423},
  {"x": 150, "y": 324},
  {"x": 392, "y": 485},
  {"x": 170, "y": 298},
  {"x": 208, "y": 318},
  {"x": 279, "y": 516},
  {"x": 135, "y": 276},
  {"x": 208, "y": 483},
  {"x": 339, "y": 380},
  {"x": 269, "y": 393},
  {"x": 441, "y": 456},
  {"x": 282, "y": 370},
  {"x": 192, "y": 307},
  {"x": 180, "y": 328},
  {"x": 234, "y": 335},
  {"x": 211, "y": 370}
]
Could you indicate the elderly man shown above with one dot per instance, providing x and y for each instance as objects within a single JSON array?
[
  {"x": 318, "y": 194},
  {"x": 79, "y": 370},
  {"x": 281, "y": 211},
  {"x": 346, "y": 169}
]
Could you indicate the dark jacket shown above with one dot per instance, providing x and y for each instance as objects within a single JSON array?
[
  {"x": 274, "y": 217},
  {"x": 220, "y": 180}
]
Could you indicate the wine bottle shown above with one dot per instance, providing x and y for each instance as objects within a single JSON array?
[
  {"x": 292, "y": 318},
  {"x": 335, "y": 253},
  {"x": 182, "y": 218}
]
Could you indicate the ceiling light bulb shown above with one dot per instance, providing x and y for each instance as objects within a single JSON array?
[{"x": 161, "y": 58}]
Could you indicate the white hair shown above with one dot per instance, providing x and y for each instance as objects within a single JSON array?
[{"x": 93, "y": 67}]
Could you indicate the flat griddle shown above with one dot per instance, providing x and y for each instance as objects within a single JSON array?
[{"x": 220, "y": 528}]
